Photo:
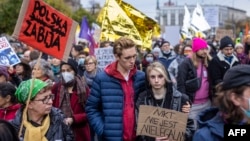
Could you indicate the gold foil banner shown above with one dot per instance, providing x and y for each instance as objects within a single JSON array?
[{"x": 121, "y": 19}]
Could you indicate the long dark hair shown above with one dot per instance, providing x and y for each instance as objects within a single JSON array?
[{"x": 7, "y": 131}]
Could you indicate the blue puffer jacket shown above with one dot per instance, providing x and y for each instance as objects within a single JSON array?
[
  {"x": 104, "y": 106},
  {"x": 211, "y": 126}
]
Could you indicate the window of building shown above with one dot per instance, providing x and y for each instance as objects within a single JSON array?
[{"x": 172, "y": 19}]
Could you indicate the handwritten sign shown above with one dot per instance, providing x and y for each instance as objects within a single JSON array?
[
  {"x": 220, "y": 33},
  {"x": 160, "y": 122},
  {"x": 8, "y": 57},
  {"x": 46, "y": 29},
  {"x": 104, "y": 56}
]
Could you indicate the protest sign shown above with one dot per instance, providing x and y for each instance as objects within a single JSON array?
[
  {"x": 160, "y": 122},
  {"x": 8, "y": 56},
  {"x": 46, "y": 29},
  {"x": 104, "y": 56},
  {"x": 220, "y": 33}
]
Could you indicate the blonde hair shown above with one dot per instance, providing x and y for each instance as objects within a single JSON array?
[
  {"x": 157, "y": 66},
  {"x": 89, "y": 58}
]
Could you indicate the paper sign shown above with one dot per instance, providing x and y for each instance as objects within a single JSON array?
[
  {"x": 46, "y": 29},
  {"x": 220, "y": 33},
  {"x": 104, "y": 56},
  {"x": 8, "y": 56},
  {"x": 160, "y": 122}
]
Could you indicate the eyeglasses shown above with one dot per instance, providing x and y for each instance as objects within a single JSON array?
[
  {"x": 46, "y": 99},
  {"x": 90, "y": 63}
]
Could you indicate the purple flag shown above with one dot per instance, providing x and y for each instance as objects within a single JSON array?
[{"x": 85, "y": 33}]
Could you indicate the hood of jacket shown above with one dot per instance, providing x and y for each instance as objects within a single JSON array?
[{"x": 14, "y": 107}]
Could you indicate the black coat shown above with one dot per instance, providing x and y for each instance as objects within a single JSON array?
[
  {"x": 173, "y": 100},
  {"x": 57, "y": 129},
  {"x": 218, "y": 66},
  {"x": 186, "y": 71}
]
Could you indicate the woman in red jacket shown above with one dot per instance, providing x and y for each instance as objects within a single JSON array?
[
  {"x": 8, "y": 102},
  {"x": 70, "y": 96}
]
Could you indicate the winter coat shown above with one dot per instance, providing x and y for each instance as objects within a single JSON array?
[
  {"x": 186, "y": 71},
  {"x": 106, "y": 103},
  {"x": 218, "y": 66},
  {"x": 167, "y": 60},
  {"x": 211, "y": 126},
  {"x": 57, "y": 129},
  {"x": 80, "y": 125},
  {"x": 9, "y": 112},
  {"x": 174, "y": 100}
]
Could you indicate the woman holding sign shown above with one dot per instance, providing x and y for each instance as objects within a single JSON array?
[{"x": 161, "y": 93}]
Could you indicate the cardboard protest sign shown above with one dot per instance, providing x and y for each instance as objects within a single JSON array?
[
  {"x": 104, "y": 56},
  {"x": 46, "y": 29},
  {"x": 160, "y": 122},
  {"x": 220, "y": 33},
  {"x": 8, "y": 56}
]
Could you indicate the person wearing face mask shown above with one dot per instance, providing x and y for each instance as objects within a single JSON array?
[
  {"x": 232, "y": 105},
  {"x": 192, "y": 67},
  {"x": 55, "y": 67},
  {"x": 148, "y": 59},
  {"x": 224, "y": 60},
  {"x": 70, "y": 96},
  {"x": 168, "y": 55},
  {"x": 80, "y": 61}
]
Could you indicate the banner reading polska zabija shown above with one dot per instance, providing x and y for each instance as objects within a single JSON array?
[{"x": 46, "y": 29}]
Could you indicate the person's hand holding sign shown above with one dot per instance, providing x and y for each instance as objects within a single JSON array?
[
  {"x": 162, "y": 139},
  {"x": 186, "y": 108}
]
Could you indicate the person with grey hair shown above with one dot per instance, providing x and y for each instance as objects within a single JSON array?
[{"x": 42, "y": 70}]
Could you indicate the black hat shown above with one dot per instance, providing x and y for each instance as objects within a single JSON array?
[
  {"x": 226, "y": 41},
  {"x": 72, "y": 63},
  {"x": 236, "y": 76}
]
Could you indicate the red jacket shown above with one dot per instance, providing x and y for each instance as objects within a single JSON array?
[
  {"x": 9, "y": 112},
  {"x": 129, "y": 105},
  {"x": 80, "y": 125}
]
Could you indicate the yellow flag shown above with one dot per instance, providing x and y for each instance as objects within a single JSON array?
[
  {"x": 115, "y": 23},
  {"x": 146, "y": 26},
  {"x": 119, "y": 18}
]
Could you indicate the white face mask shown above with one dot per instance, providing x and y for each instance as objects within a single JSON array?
[
  {"x": 67, "y": 76},
  {"x": 214, "y": 44},
  {"x": 149, "y": 59}
]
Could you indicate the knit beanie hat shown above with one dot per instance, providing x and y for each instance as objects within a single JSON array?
[
  {"x": 4, "y": 72},
  {"x": 226, "y": 41},
  {"x": 23, "y": 89},
  {"x": 72, "y": 63},
  {"x": 198, "y": 44},
  {"x": 238, "y": 45}
]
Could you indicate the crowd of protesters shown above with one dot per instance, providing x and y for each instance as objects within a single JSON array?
[{"x": 44, "y": 98}]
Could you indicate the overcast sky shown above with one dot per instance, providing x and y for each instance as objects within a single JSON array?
[{"x": 148, "y": 6}]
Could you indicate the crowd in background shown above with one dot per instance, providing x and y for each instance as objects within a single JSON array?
[{"x": 85, "y": 102}]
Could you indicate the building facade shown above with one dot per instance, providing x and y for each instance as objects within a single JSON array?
[{"x": 216, "y": 15}]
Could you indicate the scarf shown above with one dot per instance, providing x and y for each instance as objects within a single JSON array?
[
  {"x": 64, "y": 99},
  {"x": 229, "y": 58},
  {"x": 35, "y": 133},
  {"x": 89, "y": 77}
]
